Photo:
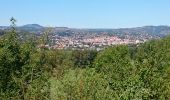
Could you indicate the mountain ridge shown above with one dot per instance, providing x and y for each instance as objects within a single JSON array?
[{"x": 158, "y": 30}]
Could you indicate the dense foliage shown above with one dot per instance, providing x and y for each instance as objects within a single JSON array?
[{"x": 30, "y": 71}]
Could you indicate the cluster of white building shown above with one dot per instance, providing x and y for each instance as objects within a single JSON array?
[{"x": 93, "y": 42}]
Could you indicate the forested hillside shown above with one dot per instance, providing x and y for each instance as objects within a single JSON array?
[{"x": 29, "y": 71}]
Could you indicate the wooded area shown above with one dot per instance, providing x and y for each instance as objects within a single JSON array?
[{"x": 32, "y": 72}]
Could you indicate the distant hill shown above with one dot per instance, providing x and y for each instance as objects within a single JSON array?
[
  {"x": 152, "y": 30},
  {"x": 3, "y": 27},
  {"x": 36, "y": 26},
  {"x": 31, "y": 28}
]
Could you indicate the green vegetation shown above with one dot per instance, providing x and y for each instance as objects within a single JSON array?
[{"x": 29, "y": 71}]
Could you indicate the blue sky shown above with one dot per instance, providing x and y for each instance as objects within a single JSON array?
[{"x": 86, "y": 13}]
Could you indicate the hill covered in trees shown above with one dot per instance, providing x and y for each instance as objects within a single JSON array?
[{"x": 32, "y": 72}]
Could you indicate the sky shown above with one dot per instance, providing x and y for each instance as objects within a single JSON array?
[{"x": 86, "y": 13}]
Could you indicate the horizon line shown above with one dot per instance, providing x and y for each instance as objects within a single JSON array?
[{"x": 83, "y": 27}]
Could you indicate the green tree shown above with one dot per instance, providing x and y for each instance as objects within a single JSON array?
[
  {"x": 84, "y": 58},
  {"x": 23, "y": 73}
]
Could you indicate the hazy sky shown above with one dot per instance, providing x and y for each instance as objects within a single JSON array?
[{"x": 86, "y": 13}]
